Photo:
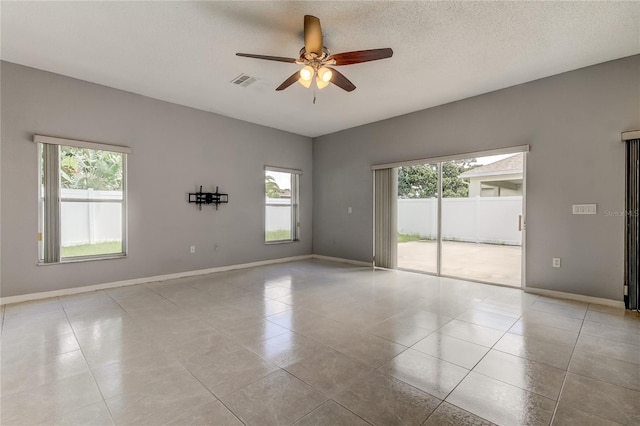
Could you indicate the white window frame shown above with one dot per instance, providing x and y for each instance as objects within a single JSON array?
[
  {"x": 295, "y": 205},
  {"x": 49, "y": 224}
]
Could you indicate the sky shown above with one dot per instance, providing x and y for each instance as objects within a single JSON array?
[
  {"x": 282, "y": 179},
  {"x": 491, "y": 158}
]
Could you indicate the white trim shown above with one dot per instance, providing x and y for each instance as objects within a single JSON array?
[
  {"x": 523, "y": 228},
  {"x": 341, "y": 260},
  {"x": 373, "y": 215},
  {"x": 283, "y": 170},
  {"x": 103, "y": 286},
  {"x": 627, "y": 136},
  {"x": 80, "y": 144},
  {"x": 417, "y": 162},
  {"x": 576, "y": 297}
]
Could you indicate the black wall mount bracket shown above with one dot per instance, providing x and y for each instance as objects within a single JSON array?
[{"x": 200, "y": 198}]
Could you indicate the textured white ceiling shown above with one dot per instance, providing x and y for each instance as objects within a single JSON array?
[{"x": 184, "y": 52}]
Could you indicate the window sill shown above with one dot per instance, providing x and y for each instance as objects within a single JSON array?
[
  {"x": 270, "y": 243},
  {"x": 84, "y": 259}
]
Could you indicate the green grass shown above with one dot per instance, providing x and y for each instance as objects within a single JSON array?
[
  {"x": 277, "y": 235},
  {"x": 92, "y": 249},
  {"x": 405, "y": 238}
]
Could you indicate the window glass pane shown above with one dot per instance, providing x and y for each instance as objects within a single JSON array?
[
  {"x": 418, "y": 218},
  {"x": 82, "y": 168},
  {"x": 82, "y": 202},
  {"x": 278, "y": 223},
  {"x": 90, "y": 229},
  {"x": 278, "y": 206},
  {"x": 481, "y": 211}
]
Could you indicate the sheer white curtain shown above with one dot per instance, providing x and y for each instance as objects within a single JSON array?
[{"x": 386, "y": 217}]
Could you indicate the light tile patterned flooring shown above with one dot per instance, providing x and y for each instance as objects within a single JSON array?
[{"x": 318, "y": 343}]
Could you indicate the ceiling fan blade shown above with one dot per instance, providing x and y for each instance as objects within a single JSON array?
[
  {"x": 268, "y": 58},
  {"x": 349, "y": 58},
  {"x": 288, "y": 82},
  {"x": 341, "y": 81},
  {"x": 312, "y": 35}
]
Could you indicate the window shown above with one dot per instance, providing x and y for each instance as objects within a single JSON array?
[
  {"x": 281, "y": 215},
  {"x": 82, "y": 207}
]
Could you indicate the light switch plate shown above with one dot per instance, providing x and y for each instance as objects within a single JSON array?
[{"x": 584, "y": 209}]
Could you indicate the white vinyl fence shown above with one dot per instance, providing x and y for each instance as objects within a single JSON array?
[
  {"x": 278, "y": 214},
  {"x": 477, "y": 219},
  {"x": 93, "y": 223},
  {"x": 90, "y": 223}
]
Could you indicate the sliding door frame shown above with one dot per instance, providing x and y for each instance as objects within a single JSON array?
[
  {"x": 439, "y": 161},
  {"x": 631, "y": 286}
]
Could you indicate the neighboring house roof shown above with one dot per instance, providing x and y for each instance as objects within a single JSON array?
[{"x": 509, "y": 165}]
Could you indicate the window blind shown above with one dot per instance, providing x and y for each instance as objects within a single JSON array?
[{"x": 386, "y": 220}]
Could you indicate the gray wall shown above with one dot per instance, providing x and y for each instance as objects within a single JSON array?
[
  {"x": 572, "y": 122},
  {"x": 175, "y": 149}
]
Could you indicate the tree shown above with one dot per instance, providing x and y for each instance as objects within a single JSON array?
[
  {"x": 90, "y": 169},
  {"x": 422, "y": 181},
  {"x": 271, "y": 187},
  {"x": 417, "y": 182}
]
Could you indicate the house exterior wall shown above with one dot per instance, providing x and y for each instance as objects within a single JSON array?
[{"x": 476, "y": 189}]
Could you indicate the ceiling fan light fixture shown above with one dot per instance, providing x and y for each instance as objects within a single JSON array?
[
  {"x": 325, "y": 74},
  {"x": 306, "y": 76},
  {"x": 323, "y": 77},
  {"x": 305, "y": 83},
  {"x": 321, "y": 84},
  {"x": 306, "y": 73}
]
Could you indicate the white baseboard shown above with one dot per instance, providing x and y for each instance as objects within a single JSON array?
[
  {"x": 576, "y": 297},
  {"x": 341, "y": 260},
  {"x": 104, "y": 286}
]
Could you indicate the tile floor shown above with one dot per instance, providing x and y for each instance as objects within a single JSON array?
[{"x": 318, "y": 343}]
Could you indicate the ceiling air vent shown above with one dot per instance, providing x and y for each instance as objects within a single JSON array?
[{"x": 243, "y": 80}]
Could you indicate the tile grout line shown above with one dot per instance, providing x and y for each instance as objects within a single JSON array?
[
  {"x": 104, "y": 401},
  {"x": 358, "y": 416},
  {"x": 212, "y": 394},
  {"x": 348, "y": 325},
  {"x": 180, "y": 362},
  {"x": 443, "y": 400},
  {"x": 470, "y": 370},
  {"x": 566, "y": 374}
]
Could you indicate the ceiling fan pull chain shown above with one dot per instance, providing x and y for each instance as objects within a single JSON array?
[{"x": 314, "y": 96}]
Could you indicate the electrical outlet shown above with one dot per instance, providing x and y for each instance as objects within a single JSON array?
[
  {"x": 556, "y": 262},
  {"x": 349, "y": 210},
  {"x": 192, "y": 249}
]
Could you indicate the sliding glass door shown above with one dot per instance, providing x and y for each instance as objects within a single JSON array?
[
  {"x": 463, "y": 218},
  {"x": 482, "y": 219},
  {"x": 418, "y": 218}
]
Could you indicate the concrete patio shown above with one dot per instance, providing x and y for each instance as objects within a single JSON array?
[{"x": 500, "y": 264}]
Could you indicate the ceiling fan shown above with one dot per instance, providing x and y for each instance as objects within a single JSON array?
[{"x": 315, "y": 58}]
